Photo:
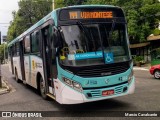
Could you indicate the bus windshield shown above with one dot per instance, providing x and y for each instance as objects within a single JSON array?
[{"x": 94, "y": 44}]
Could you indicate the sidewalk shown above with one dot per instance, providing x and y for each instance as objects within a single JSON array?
[
  {"x": 5, "y": 88},
  {"x": 145, "y": 67}
]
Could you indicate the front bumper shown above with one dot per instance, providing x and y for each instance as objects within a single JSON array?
[{"x": 70, "y": 96}]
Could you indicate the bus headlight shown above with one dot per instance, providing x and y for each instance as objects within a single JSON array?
[
  {"x": 130, "y": 77},
  {"x": 67, "y": 81},
  {"x": 72, "y": 84},
  {"x": 77, "y": 86}
]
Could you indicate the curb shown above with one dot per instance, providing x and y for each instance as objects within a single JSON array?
[{"x": 5, "y": 88}]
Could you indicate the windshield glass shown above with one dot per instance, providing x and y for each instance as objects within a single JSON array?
[{"x": 94, "y": 44}]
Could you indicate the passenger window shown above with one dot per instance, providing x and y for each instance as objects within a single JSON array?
[
  {"x": 27, "y": 44},
  {"x": 17, "y": 49},
  {"x": 35, "y": 42},
  {"x": 14, "y": 50}
]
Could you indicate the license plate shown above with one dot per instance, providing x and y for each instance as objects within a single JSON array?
[{"x": 107, "y": 92}]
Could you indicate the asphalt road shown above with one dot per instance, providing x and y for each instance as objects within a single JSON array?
[{"x": 25, "y": 98}]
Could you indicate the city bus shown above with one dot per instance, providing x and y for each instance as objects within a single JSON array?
[{"x": 76, "y": 54}]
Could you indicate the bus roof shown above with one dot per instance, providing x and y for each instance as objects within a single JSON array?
[{"x": 53, "y": 16}]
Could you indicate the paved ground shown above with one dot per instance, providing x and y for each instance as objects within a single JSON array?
[
  {"x": 25, "y": 98},
  {"x": 3, "y": 89}
]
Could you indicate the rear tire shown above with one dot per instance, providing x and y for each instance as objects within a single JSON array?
[
  {"x": 42, "y": 88},
  {"x": 157, "y": 74},
  {"x": 16, "y": 76}
]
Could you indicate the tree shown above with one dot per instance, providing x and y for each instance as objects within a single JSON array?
[
  {"x": 59, "y": 3},
  {"x": 2, "y": 47},
  {"x": 142, "y": 16},
  {"x": 73, "y": 2},
  {"x": 30, "y": 12}
]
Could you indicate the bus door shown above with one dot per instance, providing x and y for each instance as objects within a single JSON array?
[
  {"x": 27, "y": 62},
  {"x": 48, "y": 62},
  {"x": 21, "y": 53},
  {"x": 11, "y": 59}
]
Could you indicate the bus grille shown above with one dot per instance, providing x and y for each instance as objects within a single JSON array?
[
  {"x": 98, "y": 93},
  {"x": 118, "y": 90},
  {"x": 103, "y": 71}
]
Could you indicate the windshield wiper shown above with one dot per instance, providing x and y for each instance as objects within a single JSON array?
[
  {"x": 86, "y": 33},
  {"x": 109, "y": 37},
  {"x": 90, "y": 38}
]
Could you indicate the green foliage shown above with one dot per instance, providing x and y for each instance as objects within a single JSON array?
[
  {"x": 30, "y": 11},
  {"x": 142, "y": 16},
  {"x": 59, "y": 3},
  {"x": 156, "y": 32},
  {"x": 93, "y": 2},
  {"x": 138, "y": 59},
  {"x": 155, "y": 54},
  {"x": 73, "y": 2},
  {"x": 2, "y": 52},
  {"x": 132, "y": 17},
  {"x": 64, "y": 3}
]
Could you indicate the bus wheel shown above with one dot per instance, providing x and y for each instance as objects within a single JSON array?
[
  {"x": 42, "y": 88},
  {"x": 157, "y": 74},
  {"x": 16, "y": 76}
]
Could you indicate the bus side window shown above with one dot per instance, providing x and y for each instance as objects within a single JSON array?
[
  {"x": 27, "y": 44},
  {"x": 17, "y": 49},
  {"x": 14, "y": 50},
  {"x": 35, "y": 42}
]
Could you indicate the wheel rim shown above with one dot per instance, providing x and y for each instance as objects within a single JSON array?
[{"x": 157, "y": 74}]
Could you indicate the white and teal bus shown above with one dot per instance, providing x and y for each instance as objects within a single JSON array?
[{"x": 76, "y": 54}]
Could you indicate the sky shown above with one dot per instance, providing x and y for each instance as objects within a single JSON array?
[{"x": 6, "y": 8}]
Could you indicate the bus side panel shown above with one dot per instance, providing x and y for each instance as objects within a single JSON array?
[
  {"x": 36, "y": 67},
  {"x": 27, "y": 68},
  {"x": 16, "y": 64}
]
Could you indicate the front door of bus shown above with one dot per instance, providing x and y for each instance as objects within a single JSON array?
[
  {"x": 22, "y": 58},
  {"x": 47, "y": 58}
]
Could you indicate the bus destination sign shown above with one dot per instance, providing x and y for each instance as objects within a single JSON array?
[{"x": 90, "y": 15}]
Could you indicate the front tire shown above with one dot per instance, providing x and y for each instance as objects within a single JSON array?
[
  {"x": 157, "y": 74},
  {"x": 42, "y": 88}
]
